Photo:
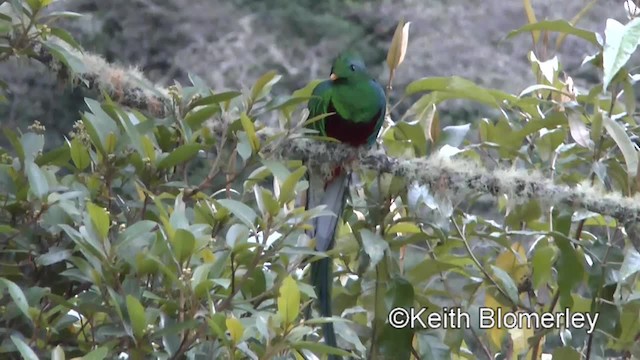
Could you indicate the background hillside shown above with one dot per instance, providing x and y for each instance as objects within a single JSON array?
[{"x": 230, "y": 43}]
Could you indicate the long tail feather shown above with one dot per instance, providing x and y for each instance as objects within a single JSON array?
[{"x": 331, "y": 193}]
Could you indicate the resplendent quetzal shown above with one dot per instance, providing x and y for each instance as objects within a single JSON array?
[{"x": 359, "y": 104}]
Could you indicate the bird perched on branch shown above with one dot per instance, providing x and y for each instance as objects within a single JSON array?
[{"x": 357, "y": 106}]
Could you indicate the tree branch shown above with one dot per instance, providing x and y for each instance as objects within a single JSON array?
[{"x": 454, "y": 178}]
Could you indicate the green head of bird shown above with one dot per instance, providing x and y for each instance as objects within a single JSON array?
[{"x": 348, "y": 66}]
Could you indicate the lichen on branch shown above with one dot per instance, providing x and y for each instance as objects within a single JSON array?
[{"x": 455, "y": 178}]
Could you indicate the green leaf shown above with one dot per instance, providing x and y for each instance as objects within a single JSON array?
[
  {"x": 404, "y": 227},
  {"x": 24, "y": 349},
  {"x": 79, "y": 154},
  {"x": 454, "y": 135},
  {"x": 33, "y": 145},
  {"x": 39, "y": 186},
  {"x": 97, "y": 354},
  {"x": 543, "y": 259},
  {"x": 374, "y": 245},
  {"x": 237, "y": 234},
  {"x": 506, "y": 283},
  {"x": 179, "y": 156},
  {"x": 195, "y": 118},
  {"x": 248, "y": 127},
  {"x": 570, "y": 269},
  {"x": 66, "y": 37},
  {"x": 289, "y": 300},
  {"x": 136, "y": 316},
  {"x": 53, "y": 256},
  {"x": 183, "y": 243},
  {"x": 453, "y": 87},
  {"x": 200, "y": 274},
  {"x": 319, "y": 348},
  {"x": 263, "y": 85},
  {"x": 99, "y": 126},
  {"x": 619, "y": 135},
  {"x": 65, "y": 56},
  {"x": 61, "y": 14},
  {"x": 57, "y": 353},
  {"x": 288, "y": 186},
  {"x": 243, "y": 212},
  {"x": 621, "y": 41},
  {"x": 15, "y": 143},
  {"x": 561, "y": 26},
  {"x": 235, "y": 328},
  {"x": 566, "y": 353},
  {"x": 100, "y": 219},
  {"x": 579, "y": 131},
  {"x": 631, "y": 264},
  {"x": 17, "y": 296},
  {"x": 216, "y": 98}
]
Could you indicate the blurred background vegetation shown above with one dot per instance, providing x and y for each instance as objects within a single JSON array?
[{"x": 231, "y": 43}]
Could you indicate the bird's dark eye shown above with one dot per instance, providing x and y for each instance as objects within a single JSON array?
[{"x": 353, "y": 67}]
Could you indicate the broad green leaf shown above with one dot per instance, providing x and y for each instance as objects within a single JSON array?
[
  {"x": 179, "y": 156},
  {"x": 319, "y": 348},
  {"x": 454, "y": 87},
  {"x": 579, "y": 131},
  {"x": 454, "y": 135},
  {"x": 97, "y": 354},
  {"x": 100, "y": 126},
  {"x": 288, "y": 186},
  {"x": 289, "y": 300},
  {"x": 53, "y": 256},
  {"x": 248, "y": 127},
  {"x": 374, "y": 246},
  {"x": 561, "y": 26},
  {"x": 16, "y": 295},
  {"x": 543, "y": 260},
  {"x": 195, "y": 118},
  {"x": 15, "y": 143},
  {"x": 243, "y": 212},
  {"x": 621, "y": 42},
  {"x": 235, "y": 328},
  {"x": 631, "y": 264},
  {"x": 506, "y": 283},
  {"x": 79, "y": 154},
  {"x": 100, "y": 219},
  {"x": 570, "y": 269},
  {"x": 183, "y": 243},
  {"x": 66, "y": 37},
  {"x": 57, "y": 353},
  {"x": 619, "y": 135},
  {"x": 38, "y": 184},
  {"x": 136, "y": 316},
  {"x": 404, "y": 227},
  {"x": 237, "y": 234},
  {"x": 263, "y": 85},
  {"x": 200, "y": 274},
  {"x": 24, "y": 349},
  {"x": 71, "y": 60},
  {"x": 216, "y": 98},
  {"x": 566, "y": 353},
  {"x": 33, "y": 145}
]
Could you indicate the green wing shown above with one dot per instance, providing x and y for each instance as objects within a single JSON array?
[{"x": 318, "y": 105}]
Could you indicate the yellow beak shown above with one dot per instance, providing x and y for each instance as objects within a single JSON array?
[{"x": 333, "y": 77}]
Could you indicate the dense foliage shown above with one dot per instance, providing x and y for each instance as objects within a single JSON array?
[{"x": 169, "y": 228}]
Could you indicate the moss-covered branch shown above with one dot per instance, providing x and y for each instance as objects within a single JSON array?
[{"x": 455, "y": 178}]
